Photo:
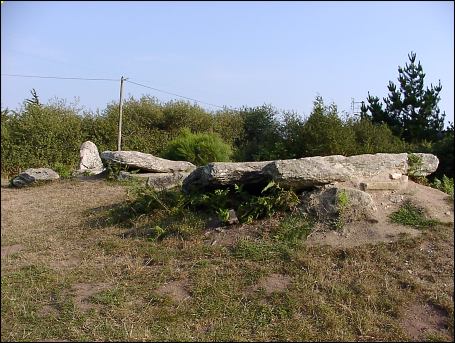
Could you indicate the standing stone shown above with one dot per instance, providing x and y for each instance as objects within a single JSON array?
[
  {"x": 90, "y": 159},
  {"x": 34, "y": 174}
]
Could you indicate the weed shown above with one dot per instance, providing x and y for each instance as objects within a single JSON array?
[
  {"x": 414, "y": 164},
  {"x": 411, "y": 215},
  {"x": 445, "y": 185},
  {"x": 342, "y": 203},
  {"x": 292, "y": 230},
  {"x": 63, "y": 170}
]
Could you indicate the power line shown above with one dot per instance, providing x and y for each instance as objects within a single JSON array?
[
  {"x": 117, "y": 80},
  {"x": 181, "y": 96},
  {"x": 61, "y": 78}
]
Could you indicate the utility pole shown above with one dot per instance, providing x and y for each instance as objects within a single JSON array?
[{"x": 119, "y": 143}]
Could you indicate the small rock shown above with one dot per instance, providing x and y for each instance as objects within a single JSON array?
[
  {"x": 34, "y": 174},
  {"x": 395, "y": 176},
  {"x": 232, "y": 218},
  {"x": 396, "y": 198}
]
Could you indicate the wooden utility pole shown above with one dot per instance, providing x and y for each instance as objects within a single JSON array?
[{"x": 119, "y": 143}]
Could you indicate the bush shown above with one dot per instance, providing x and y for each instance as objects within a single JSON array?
[
  {"x": 262, "y": 139},
  {"x": 445, "y": 185},
  {"x": 324, "y": 133},
  {"x": 198, "y": 148},
  {"x": 40, "y": 136}
]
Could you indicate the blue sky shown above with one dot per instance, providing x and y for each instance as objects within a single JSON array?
[{"x": 224, "y": 53}]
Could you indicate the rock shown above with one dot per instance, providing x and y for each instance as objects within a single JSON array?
[
  {"x": 402, "y": 183},
  {"x": 145, "y": 162},
  {"x": 125, "y": 176},
  {"x": 157, "y": 181},
  {"x": 330, "y": 203},
  {"x": 232, "y": 218},
  {"x": 395, "y": 176},
  {"x": 427, "y": 165},
  {"x": 34, "y": 174},
  {"x": 310, "y": 172},
  {"x": 90, "y": 161},
  {"x": 396, "y": 198},
  {"x": 161, "y": 181},
  {"x": 218, "y": 174}
]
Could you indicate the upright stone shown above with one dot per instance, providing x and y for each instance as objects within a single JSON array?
[{"x": 90, "y": 160}]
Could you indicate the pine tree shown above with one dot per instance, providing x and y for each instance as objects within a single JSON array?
[{"x": 410, "y": 111}]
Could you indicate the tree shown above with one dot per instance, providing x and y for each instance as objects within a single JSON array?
[
  {"x": 410, "y": 111},
  {"x": 324, "y": 132},
  {"x": 261, "y": 140},
  {"x": 34, "y": 100}
]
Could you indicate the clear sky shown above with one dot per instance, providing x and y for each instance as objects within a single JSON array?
[{"x": 224, "y": 53}]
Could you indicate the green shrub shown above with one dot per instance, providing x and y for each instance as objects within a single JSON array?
[
  {"x": 64, "y": 171},
  {"x": 445, "y": 185},
  {"x": 40, "y": 136},
  {"x": 198, "y": 148}
]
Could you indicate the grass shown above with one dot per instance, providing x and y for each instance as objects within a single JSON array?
[
  {"x": 341, "y": 294},
  {"x": 411, "y": 215}
]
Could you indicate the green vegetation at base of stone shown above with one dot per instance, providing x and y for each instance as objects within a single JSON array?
[
  {"x": 62, "y": 170},
  {"x": 342, "y": 203},
  {"x": 176, "y": 211},
  {"x": 411, "y": 215}
]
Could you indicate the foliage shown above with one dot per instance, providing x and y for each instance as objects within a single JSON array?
[
  {"x": 414, "y": 164},
  {"x": 445, "y": 185},
  {"x": 273, "y": 198},
  {"x": 409, "y": 214},
  {"x": 62, "y": 170},
  {"x": 175, "y": 204},
  {"x": 292, "y": 229},
  {"x": 342, "y": 203},
  {"x": 198, "y": 148},
  {"x": 40, "y": 136},
  {"x": 443, "y": 149},
  {"x": 261, "y": 138},
  {"x": 410, "y": 111},
  {"x": 325, "y": 133},
  {"x": 373, "y": 138}
]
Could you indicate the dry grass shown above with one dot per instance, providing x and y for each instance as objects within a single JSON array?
[{"x": 76, "y": 277}]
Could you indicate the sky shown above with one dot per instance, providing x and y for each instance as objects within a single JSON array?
[{"x": 224, "y": 53}]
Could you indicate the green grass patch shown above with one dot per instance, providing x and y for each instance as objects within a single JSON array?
[{"x": 411, "y": 215}]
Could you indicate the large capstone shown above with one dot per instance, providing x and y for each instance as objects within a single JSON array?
[
  {"x": 33, "y": 175},
  {"x": 309, "y": 172},
  {"x": 135, "y": 160},
  {"x": 220, "y": 174}
]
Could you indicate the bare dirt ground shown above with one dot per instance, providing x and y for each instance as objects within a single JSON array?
[{"x": 52, "y": 225}]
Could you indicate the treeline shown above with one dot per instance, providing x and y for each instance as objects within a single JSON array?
[{"x": 50, "y": 135}]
